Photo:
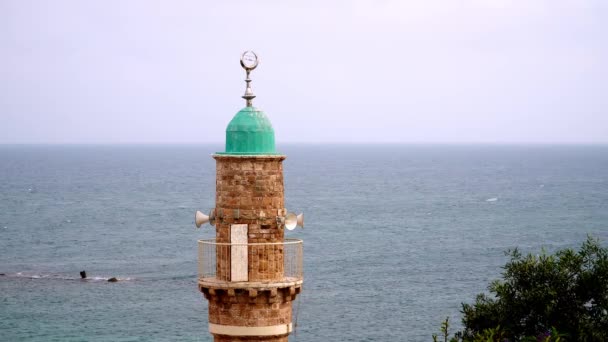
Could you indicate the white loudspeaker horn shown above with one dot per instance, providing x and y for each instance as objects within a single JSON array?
[
  {"x": 200, "y": 218},
  {"x": 292, "y": 220}
]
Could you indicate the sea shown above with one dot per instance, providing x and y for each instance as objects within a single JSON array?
[{"x": 396, "y": 237}]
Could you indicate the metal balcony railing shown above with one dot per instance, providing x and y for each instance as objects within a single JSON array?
[{"x": 250, "y": 262}]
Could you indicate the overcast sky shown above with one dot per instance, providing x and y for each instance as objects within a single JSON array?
[{"x": 492, "y": 71}]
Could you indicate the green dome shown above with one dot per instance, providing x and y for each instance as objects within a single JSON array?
[{"x": 250, "y": 132}]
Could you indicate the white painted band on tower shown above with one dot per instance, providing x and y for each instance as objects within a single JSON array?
[{"x": 235, "y": 330}]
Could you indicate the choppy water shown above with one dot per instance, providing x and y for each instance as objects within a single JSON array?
[{"x": 396, "y": 236}]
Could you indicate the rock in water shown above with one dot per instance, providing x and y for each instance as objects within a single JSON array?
[
  {"x": 83, "y": 275},
  {"x": 113, "y": 280}
]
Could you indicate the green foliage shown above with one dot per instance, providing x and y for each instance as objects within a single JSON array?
[
  {"x": 445, "y": 332},
  {"x": 494, "y": 335},
  {"x": 568, "y": 290}
]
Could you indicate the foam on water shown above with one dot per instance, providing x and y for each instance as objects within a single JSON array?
[{"x": 29, "y": 275}]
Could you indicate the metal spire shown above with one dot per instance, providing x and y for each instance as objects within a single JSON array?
[{"x": 249, "y": 61}]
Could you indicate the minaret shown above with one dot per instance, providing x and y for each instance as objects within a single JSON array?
[{"x": 250, "y": 272}]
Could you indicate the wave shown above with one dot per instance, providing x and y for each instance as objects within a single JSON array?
[{"x": 54, "y": 276}]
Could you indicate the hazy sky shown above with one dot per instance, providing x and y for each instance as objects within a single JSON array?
[{"x": 332, "y": 71}]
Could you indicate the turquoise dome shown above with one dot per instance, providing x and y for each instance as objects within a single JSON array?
[{"x": 250, "y": 132}]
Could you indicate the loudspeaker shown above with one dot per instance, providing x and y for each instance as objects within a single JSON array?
[
  {"x": 292, "y": 220},
  {"x": 200, "y": 218}
]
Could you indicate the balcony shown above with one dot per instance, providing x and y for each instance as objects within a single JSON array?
[{"x": 235, "y": 265}]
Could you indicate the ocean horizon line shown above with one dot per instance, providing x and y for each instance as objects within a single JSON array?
[{"x": 538, "y": 144}]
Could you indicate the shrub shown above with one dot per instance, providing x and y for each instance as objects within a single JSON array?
[{"x": 567, "y": 290}]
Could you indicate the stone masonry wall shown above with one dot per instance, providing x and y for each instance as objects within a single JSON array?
[
  {"x": 240, "y": 309},
  {"x": 252, "y": 307},
  {"x": 249, "y": 190}
]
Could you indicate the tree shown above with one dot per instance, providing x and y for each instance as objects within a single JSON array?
[{"x": 538, "y": 293}]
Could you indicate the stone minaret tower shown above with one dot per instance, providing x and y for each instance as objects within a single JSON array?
[{"x": 250, "y": 272}]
